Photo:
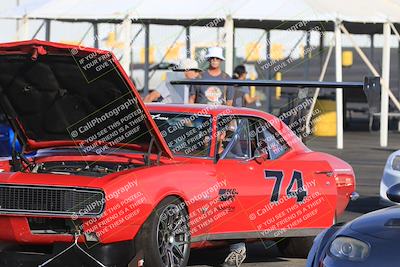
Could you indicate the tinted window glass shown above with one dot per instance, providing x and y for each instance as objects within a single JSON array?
[
  {"x": 185, "y": 134},
  {"x": 228, "y": 126},
  {"x": 276, "y": 144}
]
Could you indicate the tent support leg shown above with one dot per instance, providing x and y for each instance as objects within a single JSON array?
[
  {"x": 268, "y": 104},
  {"x": 372, "y": 47},
  {"x": 385, "y": 79},
  {"x": 48, "y": 29},
  {"x": 96, "y": 35},
  {"x": 23, "y": 29},
  {"x": 146, "y": 58},
  {"x": 188, "y": 47},
  {"x": 126, "y": 37},
  {"x": 229, "y": 35},
  {"x": 307, "y": 56},
  {"x": 339, "y": 91}
]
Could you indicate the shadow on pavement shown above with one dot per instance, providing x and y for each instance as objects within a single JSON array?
[{"x": 259, "y": 252}]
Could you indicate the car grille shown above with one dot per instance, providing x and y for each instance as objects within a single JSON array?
[{"x": 55, "y": 201}]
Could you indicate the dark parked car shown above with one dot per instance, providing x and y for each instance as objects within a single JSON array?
[{"x": 370, "y": 240}]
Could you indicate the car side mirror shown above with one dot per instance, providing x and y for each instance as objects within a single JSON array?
[
  {"x": 261, "y": 152},
  {"x": 393, "y": 193}
]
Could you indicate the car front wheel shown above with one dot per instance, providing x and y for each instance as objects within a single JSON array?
[{"x": 166, "y": 236}]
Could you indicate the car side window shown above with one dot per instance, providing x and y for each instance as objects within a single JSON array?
[
  {"x": 233, "y": 138},
  {"x": 276, "y": 145},
  {"x": 185, "y": 134}
]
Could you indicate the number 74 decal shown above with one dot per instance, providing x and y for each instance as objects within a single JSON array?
[{"x": 300, "y": 192}]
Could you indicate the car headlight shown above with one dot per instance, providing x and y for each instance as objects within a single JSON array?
[
  {"x": 396, "y": 163},
  {"x": 348, "y": 248}
]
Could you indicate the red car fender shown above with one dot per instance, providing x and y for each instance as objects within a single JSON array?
[{"x": 132, "y": 197}]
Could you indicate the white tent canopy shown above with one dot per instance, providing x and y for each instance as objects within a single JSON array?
[{"x": 245, "y": 13}]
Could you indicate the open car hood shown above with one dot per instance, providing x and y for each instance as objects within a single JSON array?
[{"x": 64, "y": 95}]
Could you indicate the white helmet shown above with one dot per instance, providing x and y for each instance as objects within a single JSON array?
[
  {"x": 215, "y": 52},
  {"x": 187, "y": 64}
]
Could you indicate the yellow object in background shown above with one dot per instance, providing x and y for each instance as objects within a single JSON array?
[
  {"x": 325, "y": 121},
  {"x": 163, "y": 76},
  {"x": 278, "y": 89},
  {"x": 347, "y": 58},
  {"x": 111, "y": 41},
  {"x": 70, "y": 42},
  {"x": 253, "y": 51},
  {"x": 173, "y": 54},
  {"x": 252, "y": 88},
  {"x": 301, "y": 51},
  {"x": 277, "y": 52},
  {"x": 151, "y": 54}
]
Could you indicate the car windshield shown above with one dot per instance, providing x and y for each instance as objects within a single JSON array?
[{"x": 185, "y": 134}]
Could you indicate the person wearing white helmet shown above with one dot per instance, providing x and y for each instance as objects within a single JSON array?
[
  {"x": 212, "y": 94},
  {"x": 189, "y": 69}
]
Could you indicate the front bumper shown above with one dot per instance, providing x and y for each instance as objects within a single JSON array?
[
  {"x": 114, "y": 254},
  {"x": 390, "y": 177}
]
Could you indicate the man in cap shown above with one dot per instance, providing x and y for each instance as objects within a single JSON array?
[
  {"x": 186, "y": 69},
  {"x": 212, "y": 94}
]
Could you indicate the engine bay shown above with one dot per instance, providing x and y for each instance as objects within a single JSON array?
[{"x": 83, "y": 168}]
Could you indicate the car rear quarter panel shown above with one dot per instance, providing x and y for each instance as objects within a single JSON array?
[{"x": 343, "y": 174}]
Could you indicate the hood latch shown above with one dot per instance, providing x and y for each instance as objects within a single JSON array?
[{"x": 38, "y": 50}]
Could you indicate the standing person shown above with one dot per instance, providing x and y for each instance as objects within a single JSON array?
[
  {"x": 189, "y": 68},
  {"x": 242, "y": 96},
  {"x": 212, "y": 94}
]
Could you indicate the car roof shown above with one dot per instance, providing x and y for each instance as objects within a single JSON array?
[
  {"x": 208, "y": 109},
  {"x": 216, "y": 110}
]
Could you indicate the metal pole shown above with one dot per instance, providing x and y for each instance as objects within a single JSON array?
[
  {"x": 146, "y": 58},
  {"x": 48, "y": 29},
  {"x": 307, "y": 56},
  {"x": 339, "y": 91},
  {"x": 39, "y": 29},
  {"x": 126, "y": 37},
  {"x": 25, "y": 28},
  {"x": 385, "y": 82},
  {"x": 96, "y": 34},
  {"x": 18, "y": 22},
  {"x": 229, "y": 35},
  {"x": 188, "y": 47},
  {"x": 321, "y": 49},
  {"x": 268, "y": 71},
  {"x": 372, "y": 47}
]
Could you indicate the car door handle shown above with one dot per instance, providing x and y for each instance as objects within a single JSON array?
[{"x": 327, "y": 173}]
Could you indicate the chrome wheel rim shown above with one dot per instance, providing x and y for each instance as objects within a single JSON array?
[{"x": 173, "y": 236}]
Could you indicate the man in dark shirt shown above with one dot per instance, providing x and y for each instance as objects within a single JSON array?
[{"x": 212, "y": 94}]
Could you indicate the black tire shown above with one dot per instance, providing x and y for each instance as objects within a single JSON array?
[
  {"x": 165, "y": 236},
  {"x": 295, "y": 247}
]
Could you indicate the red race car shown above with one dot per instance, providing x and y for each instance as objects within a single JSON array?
[{"x": 114, "y": 181}]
